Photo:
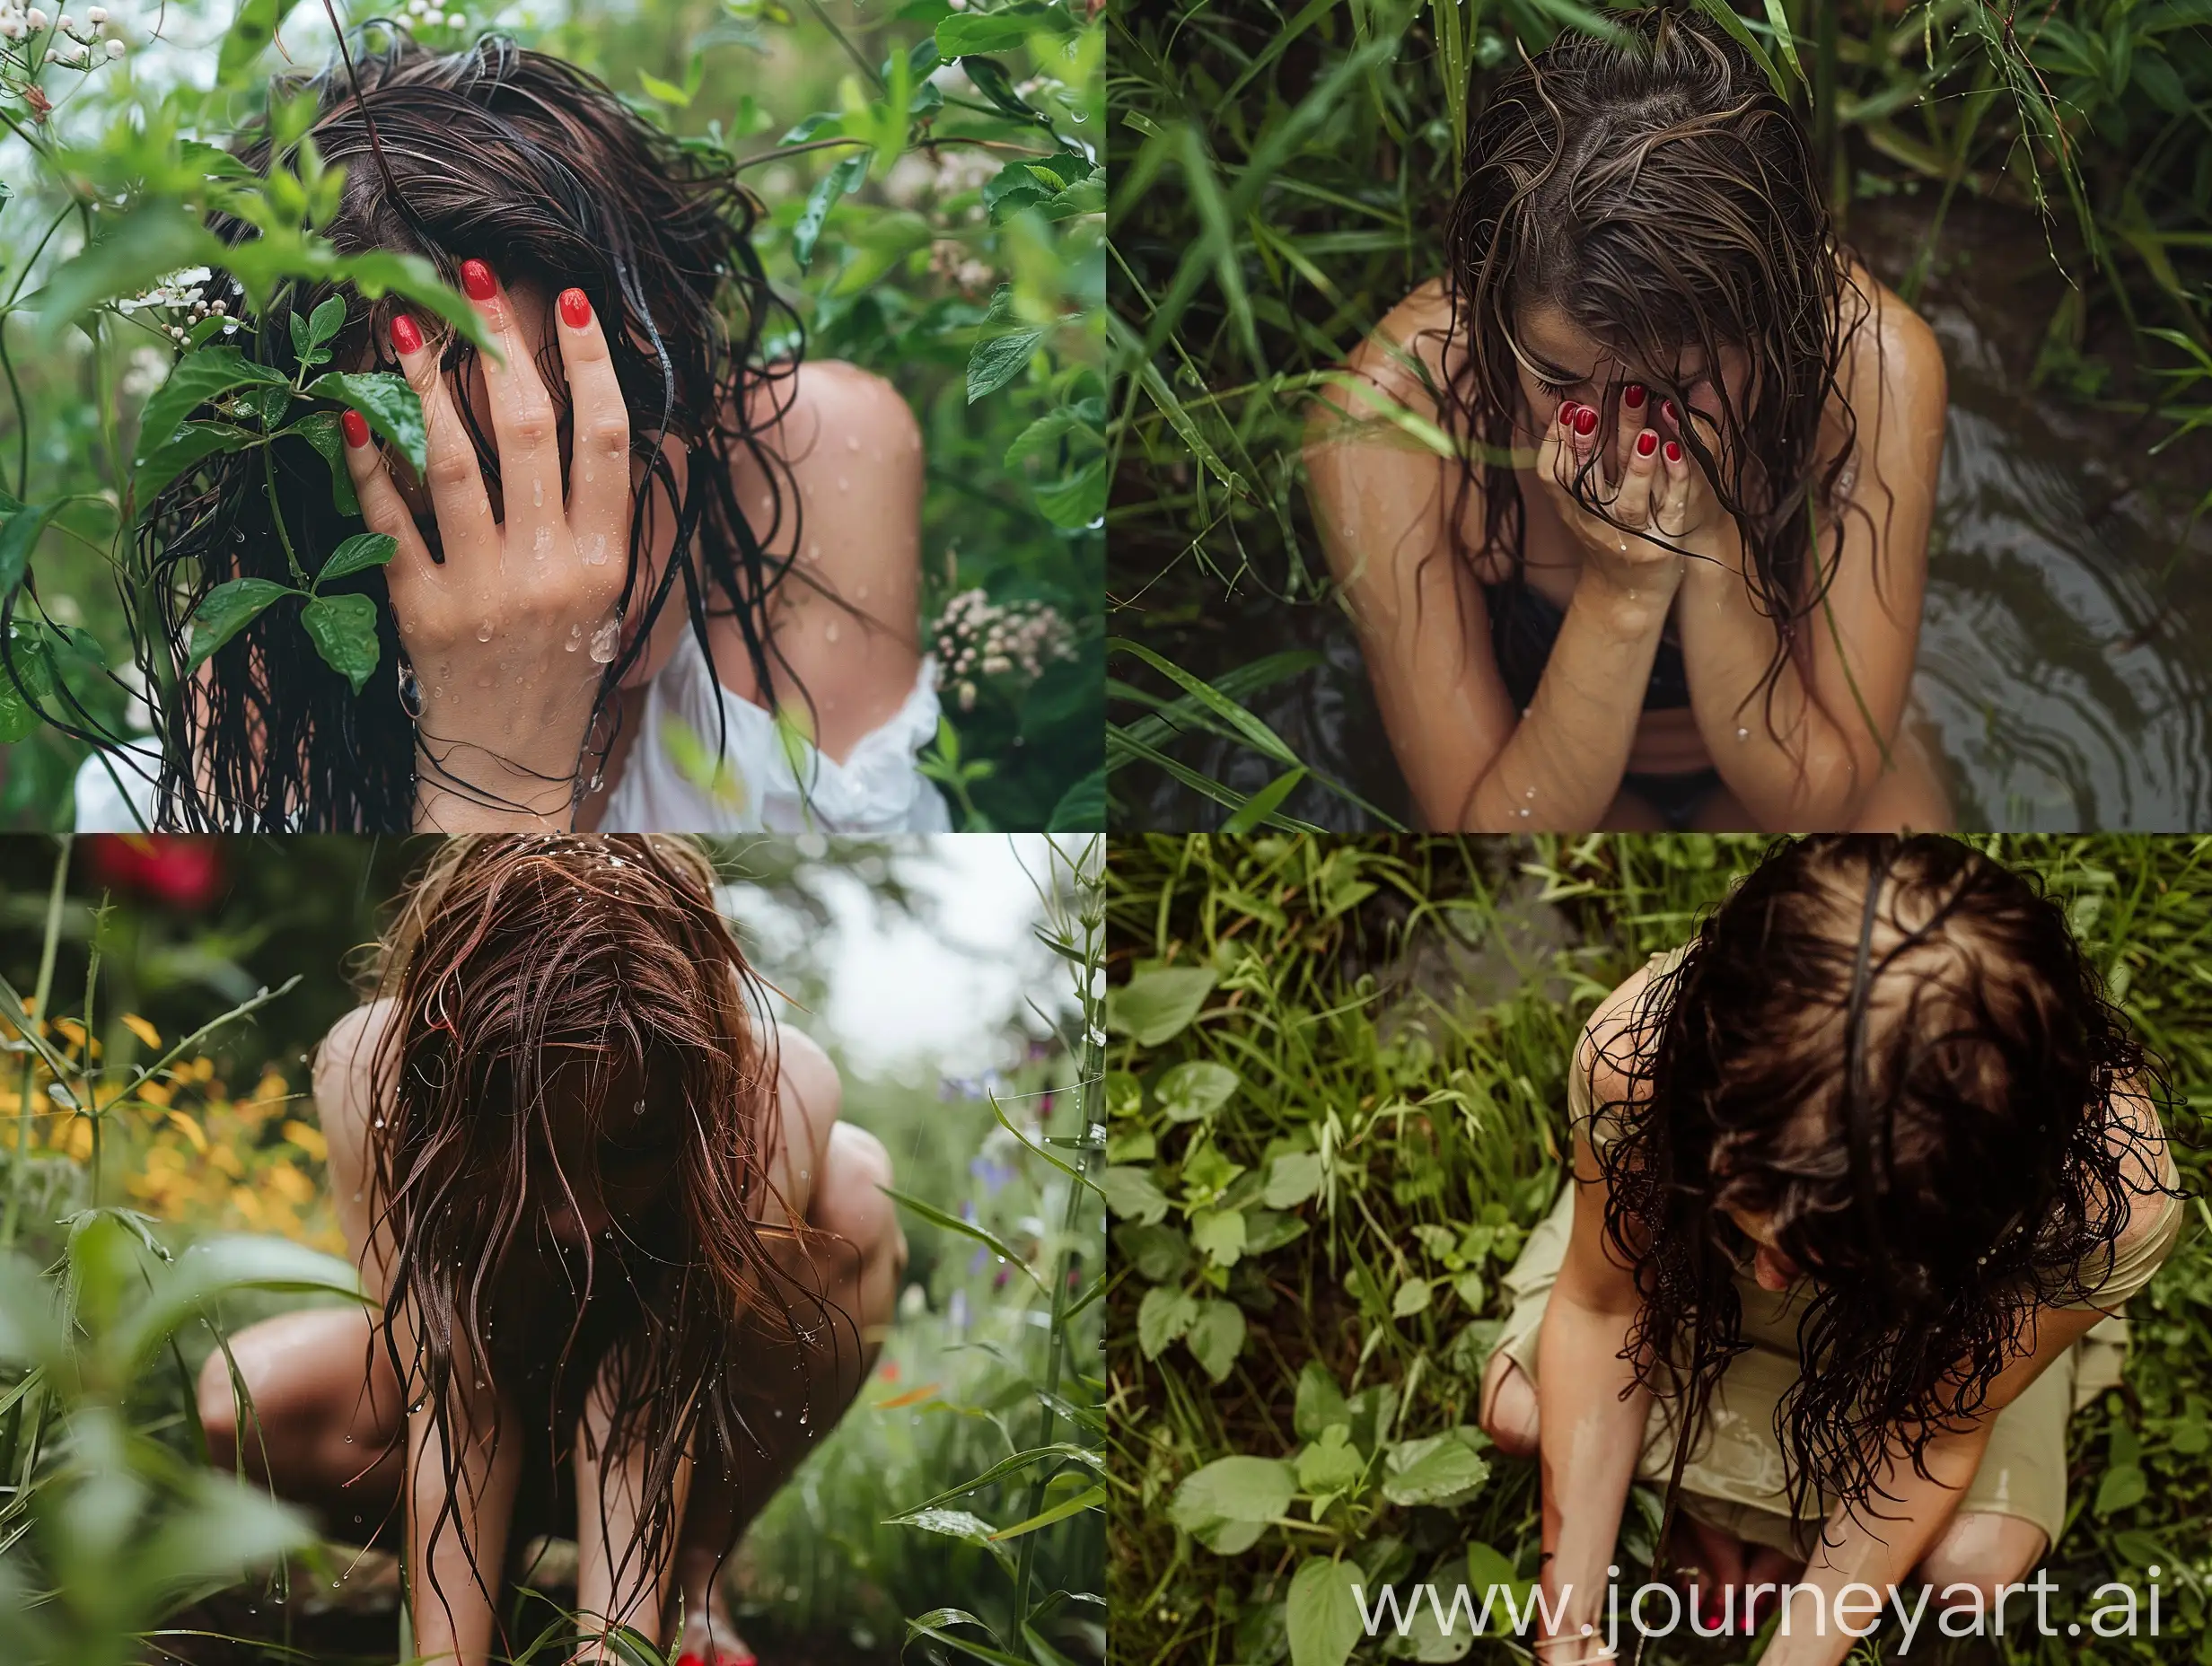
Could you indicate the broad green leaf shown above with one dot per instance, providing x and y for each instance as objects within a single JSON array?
[
  {"x": 1441, "y": 1469},
  {"x": 1320, "y": 1403},
  {"x": 2121, "y": 1488},
  {"x": 344, "y": 630},
  {"x": 357, "y": 553},
  {"x": 1331, "y": 1464},
  {"x": 1323, "y": 1614},
  {"x": 959, "y": 1524},
  {"x": 1157, "y": 1005},
  {"x": 198, "y": 378},
  {"x": 993, "y": 32},
  {"x": 1130, "y": 1194},
  {"x": 227, "y": 610},
  {"x": 391, "y": 406},
  {"x": 1161, "y": 1319},
  {"x": 1158, "y": 1253},
  {"x": 1217, "y": 1337},
  {"x": 1227, "y": 1505},
  {"x": 1412, "y": 1298},
  {"x": 249, "y": 33},
  {"x": 329, "y": 319},
  {"x": 1082, "y": 808},
  {"x": 1075, "y": 500},
  {"x": 191, "y": 443},
  {"x": 1291, "y": 1178},
  {"x": 151, "y": 242},
  {"x": 1196, "y": 1090},
  {"x": 663, "y": 91},
  {"x": 1219, "y": 1235},
  {"x": 28, "y": 660},
  {"x": 19, "y": 535},
  {"x": 845, "y": 177},
  {"x": 1487, "y": 1570},
  {"x": 225, "y": 1263},
  {"x": 997, "y": 360},
  {"x": 322, "y": 431}
]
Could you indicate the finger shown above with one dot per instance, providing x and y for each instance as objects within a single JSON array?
[
  {"x": 1563, "y": 446},
  {"x": 381, "y": 506},
  {"x": 523, "y": 416},
  {"x": 1673, "y": 518},
  {"x": 449, "y": 470},
  {"x": 599, "y": 475},
  {"x": 1641, "y": 470},
  {"x": 1634, "y": 401}
]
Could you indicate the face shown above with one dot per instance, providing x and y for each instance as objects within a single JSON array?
[
  {"x": 589, "y": 1191},
  {"x": 1559, "y": 361},
  {"x": 1770, "y": 1267},
  {"x": 533, "y": 314}
]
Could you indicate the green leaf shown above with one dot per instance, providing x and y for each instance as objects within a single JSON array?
[
  {"x": 967, "y": 1229},
  {"x": 29, "y": 658},
  {"x": 843, "y": 179},
  {"x": 151, "y": 242},
  {"x": 1412, "y": 1298},
  {"x": 1130, "y": 1194},
  {"x": 664, "y": 91},
  {"x": 2122, "y": 1488},
  {"x": 1264, "y": 803},
  {"x": 996, "y": 361},
  {"x": 198, "y": 378},
  {"x": 391, "y": 406},
  {"x": 19, "y": 535},
  {"x": 1227, "y": 1505},
  {"x": 1217, "y": 1337},
  {"x": 960, "y": 1525},
  {"x": 1158, "y": 1006},
  {"x": 1158, "y": 1253},
  {"x": 1489, "y": 1570},
  {"x": 322, "y": 431},
  {"x": 191, "y": 443},
  {"x": 250, "y": 33},
  {"x": 1331, "y": 1464},
  {"x": 225, "y": 1263},
  {"x": 991, "y": 80},
  {"x": 1320, "y": 1403},
  {"x": 1220, "y": 1234},
  {"x": 1291, "y": 1178},
  {"x": 344, "y": 630},
  {"x": 1778, "y": 15},
  {"x": 1322, "y": 1615},
  {"x": 1441, "y": 1469},
  {"x": 227, "y": 610},
  {"x": 1092, "y": 1498},
  {"x": 1196, "y": 1090},
  {"x": 1163, "y": 1317},
  {"x": 969, "y": 32},
  {"x": 1082, "y": 808},
  {"x": 1723, "y": 12},
  {"x": 357, "y": 553},
  {"x": 1076, "y": 500},
  {"x": 329, "y": 319}
]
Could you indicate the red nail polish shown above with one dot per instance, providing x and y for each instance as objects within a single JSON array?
[
  {"x": 575, "y": 309},
  {"x": 1566, "y": 414},
  {"x": 405, "y": 334},
  {"x": 476, "y": 277},
  {"x": 357, "y": 430},
  {"x": 1633, "y": 395},
  {"x": 1585, "y": 421},
  {"x": 689, "y": 1659},
  {"x": 740, "y": 1659},
  {"x": 1667, "y": 407},
  {"x": 1674, "y": 452},
  {"x": 1646, "y": 443}
]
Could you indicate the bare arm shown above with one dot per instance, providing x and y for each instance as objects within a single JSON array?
[
  {"x": 1834, "y": 727},
  {"x": 1384, "y": 502}
]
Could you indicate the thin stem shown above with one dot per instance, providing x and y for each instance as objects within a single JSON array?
[
  {"x": 276, "y": 514},
  {"x": 40, "y": 992}
]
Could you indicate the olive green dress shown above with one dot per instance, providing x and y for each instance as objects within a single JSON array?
[{"x": 1733, "y": 1479}]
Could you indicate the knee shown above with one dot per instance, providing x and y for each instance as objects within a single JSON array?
[
  {"x": 1978, "y": 1555},
  {"x": 1508, "y": 1414}
]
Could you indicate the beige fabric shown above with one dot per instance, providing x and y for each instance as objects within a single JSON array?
[{"x": 1734, "y": 1477}]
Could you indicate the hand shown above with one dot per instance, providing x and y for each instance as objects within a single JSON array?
[
  {"x": 508, "y": 635},
  {"x": 1650, "y": 491}
]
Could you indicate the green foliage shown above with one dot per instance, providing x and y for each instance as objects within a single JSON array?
[
  {"x": 1280, "y": 179},
  {"x": 1398, "y": 1016},
  {"x": 935, "y": 211}
]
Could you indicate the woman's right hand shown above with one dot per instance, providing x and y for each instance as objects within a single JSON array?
[
  {"x": 509, "y": 634},
  {"x": 1649, "y": 493}
]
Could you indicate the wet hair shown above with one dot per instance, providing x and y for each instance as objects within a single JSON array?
[
  {"x": 533, "y": 164},
  {"x": 1654, "y": 188},
  {"x": 537, "y": 977},
  {"x": 1894, "y": 1051}
]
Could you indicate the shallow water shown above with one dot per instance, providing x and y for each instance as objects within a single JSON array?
[{"x": 2062, "y": 672}]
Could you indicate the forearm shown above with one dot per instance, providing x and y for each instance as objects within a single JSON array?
[
  {"x": 456, "y": 1527},
  {"x": 459, "y": 788},
  {"x": 1589, "y": 1439},
  {"x": 1918, "y": 1510},
  {"x": 618, "y": 1584},
  {"x": 1560, "y": 768},
  {"x": 1789, "y": 762}
]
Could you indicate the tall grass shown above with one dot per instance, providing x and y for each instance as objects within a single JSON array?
[
  {"x": 1279, "y": 179},
  {"x": 1339, "y": 1091}
]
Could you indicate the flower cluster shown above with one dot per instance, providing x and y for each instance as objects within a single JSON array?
[
  {"x": 428, "y": 16},
  {"x": 956, "y": 265},
  {"x": 184, "y": 292},
  {"x": 941, "y": 174},
  {"x": 977, "y": 637},
  {"x": 80, "y": 45}
]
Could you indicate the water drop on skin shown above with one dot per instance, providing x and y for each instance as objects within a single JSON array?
[
  {"x": 595, "y": 550},
  {"x": 542, "y": 543},
  {"x": 604, "y": 642},
  {"x": 537, "y": 494},
  {"x": 484, "y": 631},
  {"x": 1744, "y": 734},
  {"x": 829, "y": 631},
  {"x": 575, "y": 637}
]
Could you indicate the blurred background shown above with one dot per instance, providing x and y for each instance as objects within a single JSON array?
[
  {"x": 2035, "y": 181},
  {"x": 917, "y": 963},
  {"x": 974, "y": 289}
]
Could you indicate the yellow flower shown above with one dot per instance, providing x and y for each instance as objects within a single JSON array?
[
  {"x": 145, "y": 1031},
  {"x": 308, "y": 1139},
  {"x": 192, "y": 1130},
  {"x": 155, "y": 1092}
]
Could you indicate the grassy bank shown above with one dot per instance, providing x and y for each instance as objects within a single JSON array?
[{"x": 1338, "y": 1102}]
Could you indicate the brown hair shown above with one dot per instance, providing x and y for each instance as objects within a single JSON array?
[{"x": 514, "y": 961}]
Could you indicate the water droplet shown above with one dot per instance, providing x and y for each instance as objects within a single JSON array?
[
  {"x": 411, "y": 691},
  {"x": 542, "y": 542},
  {"x": 1523, "y": 811},
  {"x": 829, "y": 631},
  {"x": 595, "y": 550},
  {"x": 379, "y": 1122},
  {"x": 604, "y": 640},
  {"x": 484, "y": 631},
  {"x": 1531, "y": 794},
  {"x": 1744, "y": 734},
  {"x": 813, "y": 552},
  {"x": 349, "y": 1441},
  {"x": 575, "y": 637}
]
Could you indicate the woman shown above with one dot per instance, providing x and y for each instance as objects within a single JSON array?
[
  {"x": 648, "y": 538},
  {"x": 1861, "y": 1175},
  {"x": 1669, "y": 570},
  {"x": 608, "y": 1222}
]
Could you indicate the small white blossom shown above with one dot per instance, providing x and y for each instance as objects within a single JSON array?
[
  {"x": 64, "y": 24},
  {"x": 36, "y": 19},
  {"x": 96, "y": 15},
  {"x": 116, "y": 49}
]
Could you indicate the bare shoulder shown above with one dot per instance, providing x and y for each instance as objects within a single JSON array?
[
  {"x": 1405, "y": 353},
  {"x": 1894, "y": 367},
  {"x": 344, "y": 1065},
  {"x": 2137, "y": 1135},
  {"x": 1605, "y": 1053},
  {"x": 809, "y": 1095},
  {"x": 829, "y": 408}
]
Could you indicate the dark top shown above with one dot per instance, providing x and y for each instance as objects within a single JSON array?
[{"x": 1524, "y": 623}]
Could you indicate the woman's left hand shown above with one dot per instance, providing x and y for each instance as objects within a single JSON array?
[{"x": 1697, "y": 524}]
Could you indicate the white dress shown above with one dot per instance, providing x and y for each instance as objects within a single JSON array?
[{"x": 771, "y": 781}]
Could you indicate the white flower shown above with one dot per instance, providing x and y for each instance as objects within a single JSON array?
[
  {"x": 64, "y": 24},
  {"x": 454, "y": 20},
  {"x": 36, "y": 19},
  {"x": 116, "y": 49},
  {"x": 96, "y": 16}
]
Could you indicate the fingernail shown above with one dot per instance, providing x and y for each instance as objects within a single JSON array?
[
  {"x": 689, "y": 1659},
  {"x": 406, "y": 335},
  {"x": 1633, "y": 395},
  {"x": 575, "y": 309},
  {"x": 1667, "y": 407},
  {"x": 1585, "y": 421},
  {"x": 1646, "y": 443},
  {"x": 1566, "y": 414},
  {"x": 741, "y": 1660},
  {"x": 476, "y": 277},
  {"x": 1674, "y": 452},
  {"x": 356, "y": 429}
]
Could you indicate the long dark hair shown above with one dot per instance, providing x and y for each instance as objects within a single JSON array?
[
  {"x": 1651, "y": 185},
  {"x": 535, "y": 977},
  {"x": 1894, "y": 1051},
  {"x": 532, "y": 162}
]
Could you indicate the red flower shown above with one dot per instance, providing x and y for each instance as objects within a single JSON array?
[{"x": 183, "y": 871}]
